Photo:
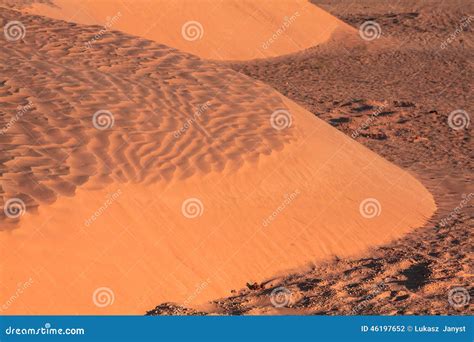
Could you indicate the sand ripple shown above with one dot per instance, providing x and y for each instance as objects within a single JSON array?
[{"x": 126, "y": 110}]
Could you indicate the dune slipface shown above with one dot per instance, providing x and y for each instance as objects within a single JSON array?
[
  {"x": 150, "y": 175},
  {"x": 221, "y": 30}
]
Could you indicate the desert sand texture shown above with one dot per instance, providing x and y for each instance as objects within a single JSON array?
[
  {"x": 133, "y": 173},
  {"x": 220, "y": 30},
  {"x": 397, "y": 94}
]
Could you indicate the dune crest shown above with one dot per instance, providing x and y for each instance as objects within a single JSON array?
[
  {"x": 195, "y": 179},
  {"x": 220, "y": 30}
]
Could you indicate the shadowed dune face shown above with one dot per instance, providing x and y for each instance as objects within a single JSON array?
[
  {"x": 221, "y": 30},
  {"x": 149, "y": 175}
]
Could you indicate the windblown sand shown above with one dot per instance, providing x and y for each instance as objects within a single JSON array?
[
  {"x": 107, "y": 207},
  {"x": 405, "y": 121},
  {"x": 221, "y": 30}
]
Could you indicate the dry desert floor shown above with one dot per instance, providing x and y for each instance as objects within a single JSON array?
[{"x": 236, "y": 157}]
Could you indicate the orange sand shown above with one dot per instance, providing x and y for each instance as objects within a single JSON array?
[
  {"x": 233, "y": 161},
  {"x": 146, "y": 251},
  {"x": 230, "y": 29}
]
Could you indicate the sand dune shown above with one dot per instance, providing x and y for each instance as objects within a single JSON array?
[
  {"x": 416, "y": 274},
  {"x": 151, "y": 175},
  {"x": 222, "y": 30}
]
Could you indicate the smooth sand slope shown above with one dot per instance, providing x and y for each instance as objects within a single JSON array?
[
  {"x": 222, "y": 30},
  {"x": 416, "y": 273},
  {"x": 193, "y": 191}
]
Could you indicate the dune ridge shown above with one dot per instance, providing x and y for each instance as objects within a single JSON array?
[
  {"x": 222, "y": 30},
  {"x": 266, "y": 195}
]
